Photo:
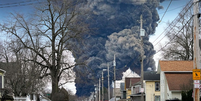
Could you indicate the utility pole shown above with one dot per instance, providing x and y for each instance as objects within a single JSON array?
[
  {"x": 196, "y": 60},
  {"x": 95, "y": 93},
  {"x": 142, "y": 57},
  {"x": 94, "y": 96},
  {"x": 108, "y": 81},
  {"x": 102, "y": 87},
  {"x": 114, "y": 64},
  {"x": 99, "y": 91}
]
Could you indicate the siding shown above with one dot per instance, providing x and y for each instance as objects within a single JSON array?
[
  {"x": 128, "y": 92},
  {"x": 150, "y": 91}
]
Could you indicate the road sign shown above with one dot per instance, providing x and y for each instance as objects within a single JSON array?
[
  {"x": 196, "y": 83},
  {"x": 141, "y": 90},
  {"x": 196, "y": 74}
]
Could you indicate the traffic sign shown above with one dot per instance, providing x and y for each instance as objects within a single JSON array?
[
  {"x": 196, "y": 83},
  {"x": 196, "y": 74}
]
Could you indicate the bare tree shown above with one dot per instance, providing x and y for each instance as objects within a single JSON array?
[
  {"x": 21, "y": 76},
  {"x": 48, "y": 34},
  {"x": 180, "y": 36}
]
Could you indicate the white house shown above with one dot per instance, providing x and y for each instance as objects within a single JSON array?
[
  {"x": 174, "y": 77},
  {"x": 2, "y": 81},
  {"x": 120, "y": 84}
]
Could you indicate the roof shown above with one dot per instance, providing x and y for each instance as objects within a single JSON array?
[
  {"x": 178, "y": 81},
  {"x": 151, "y": 75},
  {"x": 137, "y": 83},
  {"x": 176, "y": 65},
  {"x": 3, "y": 71},
  {"x": 129, "y": 73},
  {"x": 129, "y": 81}
]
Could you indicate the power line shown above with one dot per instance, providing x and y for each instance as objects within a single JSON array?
[
  {"x": 175, "y": 35},
  {"x": 22, "y": 3},
  {"x": 165, "y": 11},
  {"x": 178, "y": 17},
  {"x": 173, "y": 9},
  {"x": 13, "y": 3},
  {"x": 32, "y": 2}
]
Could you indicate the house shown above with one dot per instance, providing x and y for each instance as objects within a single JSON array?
[
  {"x": 5, "y": 93},
  {"x": 2, "y": 74},
  {"x": 152, "y": 87},
  {"x": 175, "y": 76},
  {"x": 136, "y": 92},
  {"x": 129, "y": 78},
  {"x": 122, "y": 88},
  {"x": 129, "y": 82},
  {"x": 117, "y": 90}
]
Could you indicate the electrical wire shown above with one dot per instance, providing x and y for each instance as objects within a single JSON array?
[
  {"x": 25, "y": 3},
  {"x": 22, "y": 3},
  {"x": 173, "y": 9},
  {"x": 13, "y": 3},
  {"x": 190, "y": 2},
  {"x": 178, "y": 17},
  {"x": 175, "y": 35},
  {"x": 94, "y": 80},
  {"x": 165, "y": 11},
  {"x": 32, "y": 2},
  {"x": 178, "y": 32}
]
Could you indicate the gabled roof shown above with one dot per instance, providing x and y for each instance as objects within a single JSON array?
[
  {"x": 129, "y": 73},
  {"x": 177, "y": 82},
  {"x": 151, "y": 75},
  {"x": 175, "y": 66},
  {"x": 130, "y": 81}
]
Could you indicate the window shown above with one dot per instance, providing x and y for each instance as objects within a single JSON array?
[
  {"x": 157, "y": 98},
  {"x": 157, "y": 86}
]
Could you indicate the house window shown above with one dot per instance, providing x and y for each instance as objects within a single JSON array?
[
  {"x": 157, "y": 98},
  {"x": 157, "y": 86}
]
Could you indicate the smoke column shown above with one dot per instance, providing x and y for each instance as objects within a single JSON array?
[{"x": 116, "y": 29}]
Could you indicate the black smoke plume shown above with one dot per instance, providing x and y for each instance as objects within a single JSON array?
[{"x": 116, "y": 30}]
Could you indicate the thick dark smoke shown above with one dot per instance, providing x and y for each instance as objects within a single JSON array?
[{"x": 115, "y": 25}]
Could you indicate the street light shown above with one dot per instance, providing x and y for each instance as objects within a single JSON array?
[{"x": 102, "y": 84}]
